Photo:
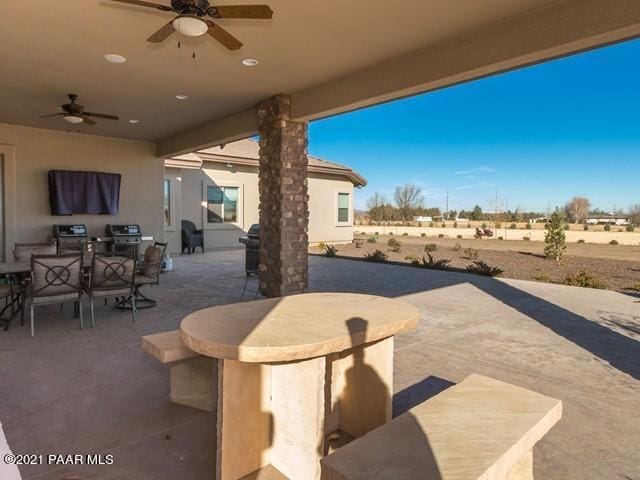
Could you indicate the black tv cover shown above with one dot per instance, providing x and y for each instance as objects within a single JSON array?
[{"x": 83, "y": 192}]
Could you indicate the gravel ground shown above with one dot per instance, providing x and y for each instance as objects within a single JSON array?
[{"x": 617, "y": 267}]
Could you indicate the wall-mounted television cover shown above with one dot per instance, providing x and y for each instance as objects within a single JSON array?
[{"x": 77, "y": 192}]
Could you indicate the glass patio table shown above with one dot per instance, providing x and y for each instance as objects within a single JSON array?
[{"x": 297, "y": 377}]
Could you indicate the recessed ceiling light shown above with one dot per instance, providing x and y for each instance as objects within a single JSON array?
[
  {"x": 114, "y": 58},
  {"x": 182, "y": 97},
  {"x": 250, "y": 62},
  {"x": 134, "y": 121}
]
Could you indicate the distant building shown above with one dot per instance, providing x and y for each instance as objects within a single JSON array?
[
  {"x": 422, "y": 218},
  {"x": 608, "y": 220}
]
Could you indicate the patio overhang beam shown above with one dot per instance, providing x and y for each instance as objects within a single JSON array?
[{"x": 556, "y": 30}]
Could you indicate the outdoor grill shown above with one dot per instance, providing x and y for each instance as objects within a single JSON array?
[
  {"x": 252, "y": 248},
  {"x": 70, "y": 238},
  {"x": 123, "y": 240}
]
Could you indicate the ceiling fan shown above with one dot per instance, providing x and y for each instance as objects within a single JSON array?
[
  {"x": 192, "y": 21},
  {"x": 75, "y": 113}
]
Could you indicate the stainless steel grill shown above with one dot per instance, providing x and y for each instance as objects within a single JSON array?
[{"x": 70, "y": 238}]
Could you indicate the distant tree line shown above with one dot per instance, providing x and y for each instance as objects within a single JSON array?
[{"x": 408, "y": 202}]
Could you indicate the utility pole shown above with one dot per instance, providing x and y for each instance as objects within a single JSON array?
[{"x": 447, "y": 205}]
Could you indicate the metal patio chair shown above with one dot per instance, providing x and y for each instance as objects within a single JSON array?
[
  {"x": 111, "y": 277},
  {"x": 55, "y": 280},
  {"x": 22, "y": 252},
  {"x": 148, "y": 273}
]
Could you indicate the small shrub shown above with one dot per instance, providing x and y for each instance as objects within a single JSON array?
[
  {"x": 542, "y": 277},
  {"x": 434, "y": 264},
  {"x": 330, "y": 251},
  {"x": 376, "y": 234},
  {"x": 484, "y": 224},
  {"x": 526, "y": 238},
  {"x": 481, "y": 268},
  {"x": 455, "y": 224},
  {"x": 391, "y": 234},
  {"x": 394, "y": 245},
  {"x": 500, "y": 238},
  {"x": 584, "y": 279},
  {"x": 468, "y": 225},
  {"x": 430, "y": 247},
  {"x": 322, "y": 246},
  {"x": 529, "y": 226},
  {"x": 457, "y": 247},
  {"x": 441, "y": 235},
  {"x": 498, "y": 225},
  {"x": 413, "y": 259},
  {"x": 566, "y": 226},
  {"x": 358, "y": 243},
  {"x": 607, "y": 228},
  {"x": 458, "y": 236},
  {"x": 423, "y": 234},
  {"x": 635, "y": 287},
  {"x": 471, "y": 253},
  {"x": 512, "y": 226},
  {"x": 405, "y": 234},
  {"x": 431, "y": 224},
  {"x": 444, "y": 225},
  {"x": 580, "y": 240},
  {"x": 378, "y": 256},
  {"x": 613, "y": 242},
  {"x": 630, "y": 228},
  {"x": 585, "y": 227},
  {"x": 372, "y": 240}
]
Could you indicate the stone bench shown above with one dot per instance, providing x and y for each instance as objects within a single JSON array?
[
  {"x": 480, "y": 429},
  {"x": 193, "y": 376}
]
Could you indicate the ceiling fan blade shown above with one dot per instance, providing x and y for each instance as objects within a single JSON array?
[
  {"x": 87, "y": 120},
  {"x": 240, "y": 11},
  {"x": 142, "y": 3},
  {"x": 52, "y": 115},
  {"x": 162, "y": 34},
  {"x": 224, "y": 37},
  {"x": 100, "y": 115}
]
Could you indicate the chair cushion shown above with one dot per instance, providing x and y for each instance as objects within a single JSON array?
[
  {"x": 110, "y": 292},
  {"x": 23, "y": 251},
  {"x": 151, "y": 265},
  {"x": 145, "y": 280},
  {"x": 67, "y": 297}
]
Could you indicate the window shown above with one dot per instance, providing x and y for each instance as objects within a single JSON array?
[
  {"x": 167, "y": 202},
  {"x": 222, "y": 204},
  {"x": 343, "y": 207}
]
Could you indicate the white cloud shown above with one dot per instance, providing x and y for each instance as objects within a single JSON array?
[{"x": 480, "y": 169}]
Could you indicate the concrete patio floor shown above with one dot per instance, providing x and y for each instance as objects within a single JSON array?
[{"x": 94, "y": 391}]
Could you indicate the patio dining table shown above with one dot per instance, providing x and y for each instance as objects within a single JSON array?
[{"x": 298, "y": 376}]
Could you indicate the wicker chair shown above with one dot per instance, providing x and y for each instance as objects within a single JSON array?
[
  {"x": 55, "y": 280},
  {"x": 191, "y": 237},
  {"x": 111, "y": 277},
  {"x": 148, "y": 273}
]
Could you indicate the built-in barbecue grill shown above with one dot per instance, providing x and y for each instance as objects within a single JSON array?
[
  {"x": 252, "y": 248},
  {"x": 123, "y": 239},
  {"x": 70, "y": 238}
]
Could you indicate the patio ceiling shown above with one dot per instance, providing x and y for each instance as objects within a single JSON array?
[{"x": 332, "y": 56}]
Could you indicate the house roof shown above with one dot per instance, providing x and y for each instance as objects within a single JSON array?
[{"x": 246, "y": 152}]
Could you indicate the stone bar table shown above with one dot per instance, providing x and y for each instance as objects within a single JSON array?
[{"x": 298, "y": 376}]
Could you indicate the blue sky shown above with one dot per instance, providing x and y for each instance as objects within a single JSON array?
[{"x": 537, "y": 136}]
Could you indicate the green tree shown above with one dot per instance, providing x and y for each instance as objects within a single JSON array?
[
  {"x": 554, "y": 237},
  {"x": 476, "y": 213}
]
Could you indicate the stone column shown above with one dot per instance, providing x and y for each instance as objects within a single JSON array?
[{"x": 284, "y": 212}]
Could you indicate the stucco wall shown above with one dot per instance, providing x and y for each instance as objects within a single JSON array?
[
  {"x": 36, "y": 151},
  {"x": 323, "y": 190}
]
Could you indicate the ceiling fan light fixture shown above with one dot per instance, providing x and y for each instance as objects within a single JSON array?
[
  {"x": 73, "y": 119},
  {"x": 114, "y": 58},
  {"x": 190, "y": 25}
]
